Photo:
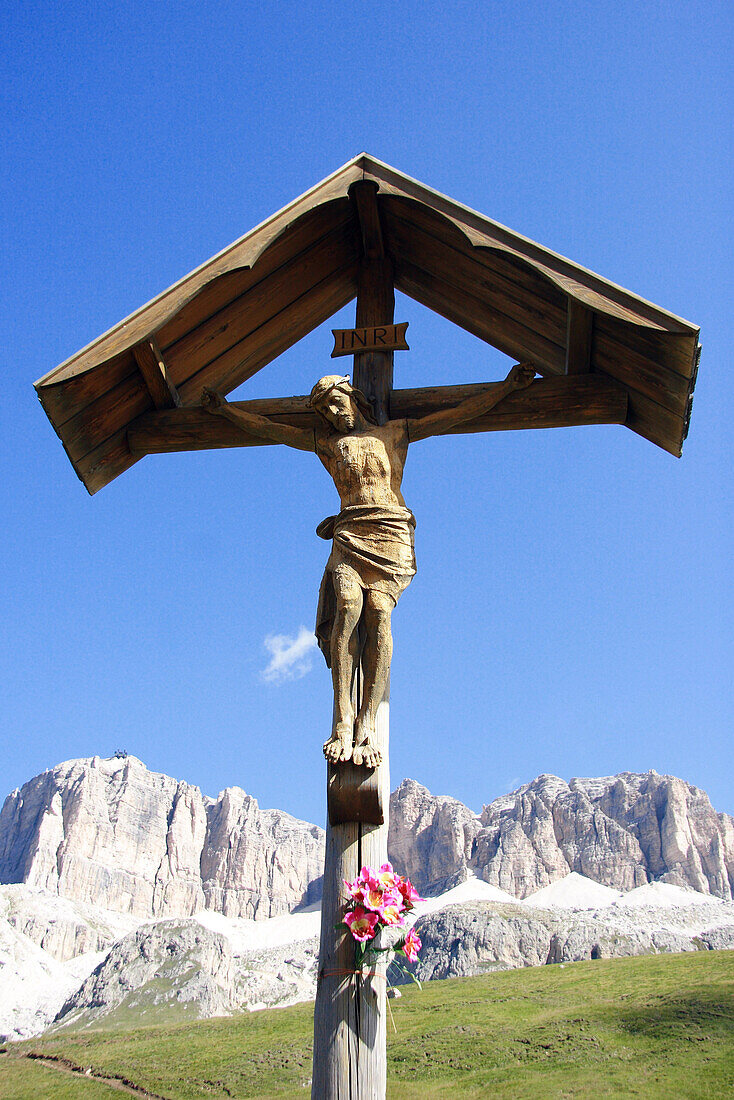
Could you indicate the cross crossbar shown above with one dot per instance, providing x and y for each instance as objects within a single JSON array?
[{"x": 568, "y": 401}]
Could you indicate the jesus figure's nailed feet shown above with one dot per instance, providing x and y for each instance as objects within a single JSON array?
[
  {"x": 365, "y": 752},
  {"x": 338, "y": 749}
]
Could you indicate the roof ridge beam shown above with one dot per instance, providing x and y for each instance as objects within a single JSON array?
[{"x": 363, "y": 194}]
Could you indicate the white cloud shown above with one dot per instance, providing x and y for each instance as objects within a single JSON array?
[{"x": 290, "y": 658}]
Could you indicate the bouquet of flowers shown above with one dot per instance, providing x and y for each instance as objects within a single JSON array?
[{"x": 380, "y": 899}]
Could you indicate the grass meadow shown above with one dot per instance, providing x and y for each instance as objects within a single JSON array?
[{"x": 659, "y": 1027}]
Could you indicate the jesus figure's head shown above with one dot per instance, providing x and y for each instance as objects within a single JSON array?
[{"x": 336, "y": 400}]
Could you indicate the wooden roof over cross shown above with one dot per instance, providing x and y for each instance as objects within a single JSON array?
[{"x": 606, "y": 356}]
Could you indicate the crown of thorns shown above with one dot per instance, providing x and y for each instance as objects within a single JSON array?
[
  {"x": 330, "y": 382},
  {"x": 324, "y": 386}
]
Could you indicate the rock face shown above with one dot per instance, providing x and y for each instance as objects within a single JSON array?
[
  {"x": 180, "y": 969},
  {"x": 94, "y": 849},
  {"x": 431, "y": 837},
  {"x": 61, "y": 927},
  {"x": 138, "y": 842},
  {"x": 483, "y": 936},
  {"x": 622, "y": 830}
]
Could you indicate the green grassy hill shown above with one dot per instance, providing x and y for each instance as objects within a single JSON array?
[{"x": 658, "y": 1027}]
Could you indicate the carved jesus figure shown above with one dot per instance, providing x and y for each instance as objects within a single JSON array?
[{"x": 372, "y": 559}]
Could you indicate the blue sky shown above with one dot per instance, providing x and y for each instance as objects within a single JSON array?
[{"x": 573, "y": 605}]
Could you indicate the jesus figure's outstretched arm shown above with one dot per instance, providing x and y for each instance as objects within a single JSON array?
[
  {"x": 435, "y": 423},
  {"x": 261, "y": 426}
]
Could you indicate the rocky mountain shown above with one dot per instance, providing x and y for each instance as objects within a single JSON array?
[
  {"x": 130, "y": 896},
  {"x": 169, "y": 971},
  {"x": 138, "y": 842},
  {"x": 183, "y": 970},
  {"x": 485, "y": 936},
  {"x": 622, "y": 830}
]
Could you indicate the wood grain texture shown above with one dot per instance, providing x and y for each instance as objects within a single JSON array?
[
  {"x": 156, "y": 375},
  {"x": 62, "y": 400},
  {"x": 579, "y": 334},
  {"x": 473, "y": 314},
  {"x": 646, "y": 417},
  {"x": 349, "y": 1061},
  {"x": 105, "y": 463},
  {"x": 363, "y": 194},
  {"x": 373, "y": 370},
  {"x": 671, "y": 351},
  {"x": 523, "y": 296}
]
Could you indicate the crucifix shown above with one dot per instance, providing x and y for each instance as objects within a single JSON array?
[
  {"x": 372, "y": 559},
  {"x": 371, "y": 563},
  {"x": 157, "y": 383}
]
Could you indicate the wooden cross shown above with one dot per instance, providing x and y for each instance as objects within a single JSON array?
[
  {"x": 350, "y": 1036},
  {"x": 605, "y": 356}
]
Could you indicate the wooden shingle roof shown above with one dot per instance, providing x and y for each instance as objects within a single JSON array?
[{"x": 230, "y": 317}]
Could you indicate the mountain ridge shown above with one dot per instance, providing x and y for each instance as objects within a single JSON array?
[
  {"x": 623, "y": 831},
  {"x": 128, "y": 892},
  {"x": 142, "y": 843}
]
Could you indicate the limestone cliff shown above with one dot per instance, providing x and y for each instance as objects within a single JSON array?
[
  {"x": 138, "y": 842},
  {"x": 622, "y": 830}
]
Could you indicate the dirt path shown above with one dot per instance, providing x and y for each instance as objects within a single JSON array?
[{"x": 64, "y": 1065}]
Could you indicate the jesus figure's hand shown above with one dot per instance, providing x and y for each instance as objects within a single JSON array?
[{"x": 521, "y": 375}]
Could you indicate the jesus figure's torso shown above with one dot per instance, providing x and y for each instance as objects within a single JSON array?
[{"x": 367, "y": 466}]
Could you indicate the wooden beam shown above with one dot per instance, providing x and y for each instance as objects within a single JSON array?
[
  {"x": 579, "y": 336},
  {"x": 554, "y": 403},
  {"x": 152, "y": 366},
  {"x": 477, "y": 316},
  {"x": 547, "y": 403},
  {"x": 373, "y": 370},
  {"x": 363, "y": 194}
]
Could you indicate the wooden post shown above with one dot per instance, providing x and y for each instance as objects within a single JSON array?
[{"x": 349, "y": 1058}]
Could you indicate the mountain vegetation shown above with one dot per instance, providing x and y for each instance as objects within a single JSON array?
[{"x": 656, "y": 1027}]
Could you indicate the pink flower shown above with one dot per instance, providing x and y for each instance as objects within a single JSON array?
[
  {"x": 387, "y": 876},
  {"x": 355, "y": 891},
  {"x": 391, "y": 914},
  {"x": 361, "y": 924},
  {"x": 372, "y": 898},
  {"x": 412, "y": 945},
  {"x": 409, "y": 893},
  {"x": 368, "y": 877}
]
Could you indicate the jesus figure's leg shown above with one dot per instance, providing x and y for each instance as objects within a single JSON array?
[
  {"x": 344, "y": 651},
  {"x": 376, "y": 668}
]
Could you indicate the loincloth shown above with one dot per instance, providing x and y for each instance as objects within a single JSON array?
[{"x": 376, "y": 544}]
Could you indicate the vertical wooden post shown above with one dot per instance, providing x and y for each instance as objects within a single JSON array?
[
  {"x": 375, "y": 306},
  {"x": 349, "y": 1058}
]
